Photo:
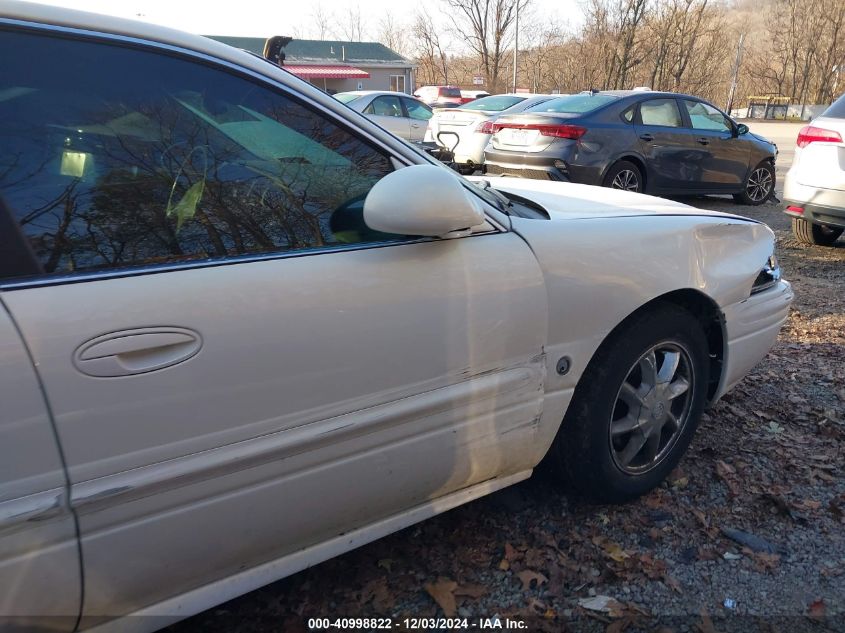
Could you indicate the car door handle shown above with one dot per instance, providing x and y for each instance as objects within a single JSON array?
[
  {"x": 646, "y": 137},
  {"x": 137, "y": 351},
  {"x": 703, "y": 140},
  {"x": 415, "y": 125}
]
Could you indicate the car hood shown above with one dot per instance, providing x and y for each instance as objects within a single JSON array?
[{"x": 570, "y": 201}]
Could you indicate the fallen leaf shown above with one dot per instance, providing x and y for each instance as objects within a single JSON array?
[
  {"x": 510, "y": 553},
  {"x": 443, "y": 593},
  {"x": 527, "y": 577},
  {"x": 706, "y": 625},
  {"x": 752, "y": 541},
  {"x": 386, "y": 563},
  {"x": 614, "y": 551},
  {"x": 603, "y": 604},
  {"x": 774, "y": 428},
  {"x": 817, "y": 609},
  {"x": 504, "y": 565},
  {"x": 618, "y": 626}
]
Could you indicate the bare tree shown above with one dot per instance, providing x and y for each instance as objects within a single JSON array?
[
  {"x": 321, "y": 21},
  {"x": 351, "y": 26},
  {"x": 393, "y": 34},
  {"x": 430, "y": 51},
  {"x": 485, "y": 27}
]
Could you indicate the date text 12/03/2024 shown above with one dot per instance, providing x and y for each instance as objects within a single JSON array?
[{"x": 368, "y": 624}]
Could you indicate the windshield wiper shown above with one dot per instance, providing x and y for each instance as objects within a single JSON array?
[{"x": 504, "y": 203}]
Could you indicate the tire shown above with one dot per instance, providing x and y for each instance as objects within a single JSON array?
[
  {"x": 592, "y": 443},
  {"x": 814, "y": 234},
  {"x": 759, "y": 186},
  {"x": 626, "y": 176}
]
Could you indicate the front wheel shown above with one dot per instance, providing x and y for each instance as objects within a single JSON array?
[
  {"x": 759, "y": 186},
  {"x": 626, "y": 176},
  {"x": 814, "y": 234},
  {"x": 636, "y": 407}
]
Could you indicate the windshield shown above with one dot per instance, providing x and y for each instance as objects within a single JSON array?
[
  {"x": 346, "y": 97},
  {"x": 493, "y": 104},
  {"x": 574, "y": 104}
]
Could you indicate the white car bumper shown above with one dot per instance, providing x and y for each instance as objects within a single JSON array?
[{"x": 752, "y": 328}]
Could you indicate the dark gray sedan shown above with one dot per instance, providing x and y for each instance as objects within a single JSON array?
[{"x": 655, "y": 142}]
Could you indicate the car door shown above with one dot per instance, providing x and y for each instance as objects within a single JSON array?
[
  {"x": 240, "y": 370},
  {"x": 418, "y": 115},
  {"x": 386, "y": 110},
  {"x": 725, "y": 157},
  {"x": 672, "y": 156},
  {"x": 40, "y": 571}
]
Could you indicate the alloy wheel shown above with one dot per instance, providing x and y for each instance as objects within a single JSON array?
[
  {"x": 652, "y": 407},
  {"x": 626, "y": 180},
  {"x": 759, "y": 184}
]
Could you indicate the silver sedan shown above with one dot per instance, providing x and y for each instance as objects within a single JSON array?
[{"x": 396, "y": 112}]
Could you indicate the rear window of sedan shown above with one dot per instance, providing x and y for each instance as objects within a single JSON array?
[
  {"x": 450, "y": 92},
  {"x": 346, "y": 97},
  {"x": 493, "y": 104},
  {"x": 574, "y": 104},
  {"x": 837, "y": 109}
]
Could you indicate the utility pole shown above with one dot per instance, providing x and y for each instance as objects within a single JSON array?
[
  {"x": 737, "y": 62},
  {"x": 515, "y": 45}
]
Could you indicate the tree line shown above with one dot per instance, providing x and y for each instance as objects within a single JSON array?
[{"x": 790, "y": 48}]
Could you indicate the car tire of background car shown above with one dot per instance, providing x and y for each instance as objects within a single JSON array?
[
  {"x": 624, "y": 175},
  {"x": 630, "y": 392},
  {"x": 814, "y": 234},
  {"x": 759, "y": 186}
]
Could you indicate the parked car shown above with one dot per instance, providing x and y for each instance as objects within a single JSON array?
[
  {"x": 472, "y": 95},
  {"x": 396, "y": 112},
  {"x": 440, "y": 96},
  {"x": 814, "y": 190},
  {"x": 246, "y": 329},
  {"x": 637, "y": 140},
  {"x": 470, "y": 126}
]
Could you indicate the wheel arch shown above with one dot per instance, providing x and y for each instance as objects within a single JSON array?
[
  {"x": 631, "y": 158},
  {"x": 707, "y": 313}
]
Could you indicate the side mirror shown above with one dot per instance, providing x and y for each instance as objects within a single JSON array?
[
  {"x": 741, "y": 129},
  {"x": 422, "y": 200}
]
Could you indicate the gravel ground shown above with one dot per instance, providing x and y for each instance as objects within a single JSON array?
[{"x": 767, "y": 460}]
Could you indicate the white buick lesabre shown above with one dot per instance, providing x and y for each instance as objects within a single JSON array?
[{"x": 244, "y": 329}]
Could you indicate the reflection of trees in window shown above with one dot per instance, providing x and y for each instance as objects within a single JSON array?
[{"x": 261, "y": 175}]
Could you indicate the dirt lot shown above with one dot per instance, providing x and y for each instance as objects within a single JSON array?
[{"x": 767, "y": 460}]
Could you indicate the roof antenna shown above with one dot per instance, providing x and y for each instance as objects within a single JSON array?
[{"x": 274, "y": 49}]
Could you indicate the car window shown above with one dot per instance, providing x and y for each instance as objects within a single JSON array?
[
  {"x": 836, "y": 109},
  {"x": 706, "y": 117},
  {"x": 628, "y": 115},
  {"x": 495, "y": 103},
  {"x": 346, "y": 97},
  {"x": 153, "y": 159},
  {"x": 385, "y": 106},
  {"x": 417, "y": 109},
  {"x": 450, "y": 92},
  {"x": 574, "y": 104},
  {"x": 663, "y": 112}
]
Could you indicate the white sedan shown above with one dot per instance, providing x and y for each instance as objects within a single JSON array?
[{"x": 244, "y": 329}]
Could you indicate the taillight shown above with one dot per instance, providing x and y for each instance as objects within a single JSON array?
[
  {"x": 795, "y": 210},
  {"x": 572, "y": 132},
  {"x": 485, "y": 127},
  {"x": 811, "y": 134}
]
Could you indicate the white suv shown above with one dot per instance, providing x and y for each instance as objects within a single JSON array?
[{"x": 815, "y": 185}]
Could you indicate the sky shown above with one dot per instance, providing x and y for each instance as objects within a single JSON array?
[{"x": 260, "y": 18}]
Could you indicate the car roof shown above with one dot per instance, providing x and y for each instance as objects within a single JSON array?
[
  {"x": 366, "y": 93},
  {"x": 72, "y": 18},
  {"x": 648, "y": 93}
]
